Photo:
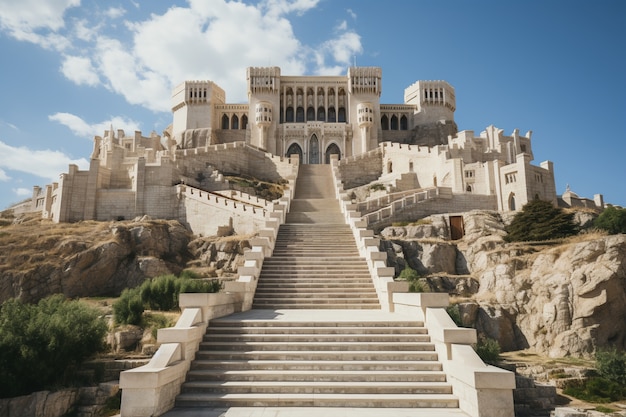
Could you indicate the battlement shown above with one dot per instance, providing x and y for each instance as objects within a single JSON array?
[
  {"x": 429, "y": 93},
  {"x": 263, "y": 79},
  {"x": 197, "y": 92},
  {"x": 365, "y": 80}
]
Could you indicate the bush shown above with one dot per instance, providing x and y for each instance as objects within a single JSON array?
[
  {"x": 160, "y": 293},
  {"x": 611, "y": 365},
  {"x": 540, "y": 220},
  {"x": 412, "y": 276},
  {"x": 129, "y": 308},
  {"x": 455, "y": 314},
  {"x": 488, "y": 349},
  {"x": 597, "y": 390},
  {"x": 43, "y": 345},
  {"x": 613, "y": 220}
]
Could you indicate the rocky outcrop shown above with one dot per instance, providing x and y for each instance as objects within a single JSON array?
[
  {"x": 39, "y": 258},
  {"x": 559, "y": 299}
]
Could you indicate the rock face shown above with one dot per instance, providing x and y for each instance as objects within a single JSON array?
[
  {"x": 101, "y": 259},
  {"x": 565, "y": 299}
]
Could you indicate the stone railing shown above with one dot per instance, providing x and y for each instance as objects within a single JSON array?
[
  {"x": 151, "y": 390},
  {"x": 404, "y": 202},
  {"x": 483, "y": 390},
  {"x": 368, "y": 245}
]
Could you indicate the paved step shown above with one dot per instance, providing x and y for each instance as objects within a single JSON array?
[{"x": 309, "y": 363}]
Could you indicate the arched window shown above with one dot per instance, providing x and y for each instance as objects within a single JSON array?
[
  {"x": 384, "y": 122},
  {"x": 321, "y": 114},
  {"x": 314, "y": 150},
  {"x": 468, "y": 188},
  {"x": 300, "y": 115},
  {"x": 512, "y": 202},
  {"x": 341, "y": 117},
  {"x": 225, "y": 122},
  {"x": 310, "y": 114},
  {"x": 404, "y": 125},
  {"x": 394, "y": 122},
  {"x": 294, "y": 148},
  {"x": 235, "y": 122},
  {"x": 389, "y": 167},
  {"x": 410, "y": 166},
  {"x": 332, "y": 149},
  {"x": 244, "y": 122},
  {"x": 289, "y": 115},
  {"x": 332, "y": 117}
]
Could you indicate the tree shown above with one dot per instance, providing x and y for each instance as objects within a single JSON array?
[
  {"x": 43, "y": 345},
  {"x": 613, "y": 220},
  {"x": 540, "y": 220}
]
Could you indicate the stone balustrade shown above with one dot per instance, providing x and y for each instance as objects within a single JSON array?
[
  {"x": 151, "y": 390},
  {"x": 483, "y": 390}
]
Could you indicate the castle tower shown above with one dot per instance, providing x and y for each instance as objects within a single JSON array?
[
  {"x": 193, "y": 103},
  {"x": 263, "y": 120},
  {"x": 365, "y": 120},
  {"x": 264, "y": 99},
  {"x": 435, "y": 101},
  {"x": 364, "y": 87}
]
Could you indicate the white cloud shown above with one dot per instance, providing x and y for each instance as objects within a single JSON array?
[
  {"x": 115, "y": 12},
  {"x": 23, "y": 18},
  {"x": 23, "y": 192},
  {"x": 3, "y": 175},
  {"x": 352, "y": 14},
  {"x": 46, "y": 164},
  {"x": 80, "y": 70},
  {"x": 215, "y": 40},
  {"x": 83, "y": 129}
]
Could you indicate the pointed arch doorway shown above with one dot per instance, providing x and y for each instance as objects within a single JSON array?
[
  {"x": 332, "y": 149},
  {"x": 294, "y": 149},
  {"x": 314, "y": 150}
]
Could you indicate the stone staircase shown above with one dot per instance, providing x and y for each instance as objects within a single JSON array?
[
  {"x": 316, "y": 336},
  {"x": 315, "y": 263},
  {"x": 300, "y": 361}
]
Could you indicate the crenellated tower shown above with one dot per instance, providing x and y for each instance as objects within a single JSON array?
[
  {"x": 264, "y": 99},
  {"x": 364, "y": 90},
  {"x": 435, "y": 101},
  {"x": 193, "y": 104}
]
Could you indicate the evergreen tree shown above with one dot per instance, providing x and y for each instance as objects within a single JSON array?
[
  {"x": 613, "y": 220},
  {"x": 540, "y": 220}
]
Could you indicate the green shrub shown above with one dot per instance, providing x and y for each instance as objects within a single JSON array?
[
  {"x": 540, "y": 220},
  {"x": 43, "y": 345},
  {"x": 129, "y": 308},
  {"x": 612, "y": 219},
  {"x": 488, "y": 349},
  {"x": 455, "y": 314},
  {"x": 597, "y": 390},
  {"x": 160, "y": 293},
  {"x": 378, "y": 187},
  {"x": 611, "y": 365},
  {"x": 413, "y": 277}
]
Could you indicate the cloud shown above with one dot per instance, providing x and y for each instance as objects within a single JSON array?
[
  {"x": 3, "y": 175},
  {"x": 46, "y": 164},
  {"x": 143, "y": 60},
  {"x": 83, "y": 129},
  {"x": 22, "y": 19},
  {"x": 80, "y": 71},
  {"x": 115, "y": 12},
  {"x": 23, "y": 192}
]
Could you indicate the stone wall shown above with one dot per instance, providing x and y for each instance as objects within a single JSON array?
[{"x": 360, "y": 170}]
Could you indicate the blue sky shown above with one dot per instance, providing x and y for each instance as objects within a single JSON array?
[{"x": 71, "y": 68}]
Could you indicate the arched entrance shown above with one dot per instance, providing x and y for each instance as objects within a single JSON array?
[
  {"x": 314, "y": 150},
  {"x": 294, "y": 149},
  {"x": 512, "y": 202},
  {"x": 332, "y": 149}
]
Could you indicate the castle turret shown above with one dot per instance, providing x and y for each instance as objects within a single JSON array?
[
  {"x": 364, "y": 88},
  {"x": 193, "y": 103},
  {"x": 263, "y": 120},
  {"x": 435, "y": 101},
  {"x": 264, "y": 100}
]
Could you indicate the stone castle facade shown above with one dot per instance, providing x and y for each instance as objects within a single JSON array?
[{"x": 413, "y": 147}]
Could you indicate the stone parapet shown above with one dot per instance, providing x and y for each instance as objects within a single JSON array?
[{"x": 483, "y": 390}]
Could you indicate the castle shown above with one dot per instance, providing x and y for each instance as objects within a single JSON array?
[{"x": 397, "y": 151}]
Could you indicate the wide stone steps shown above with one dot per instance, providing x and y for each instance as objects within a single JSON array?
[
  {"x": 367, "y": 400},
  {"x": 308, "y": 363}
]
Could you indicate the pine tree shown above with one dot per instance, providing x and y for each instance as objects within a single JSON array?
[{"x": 540, "y": 220}]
